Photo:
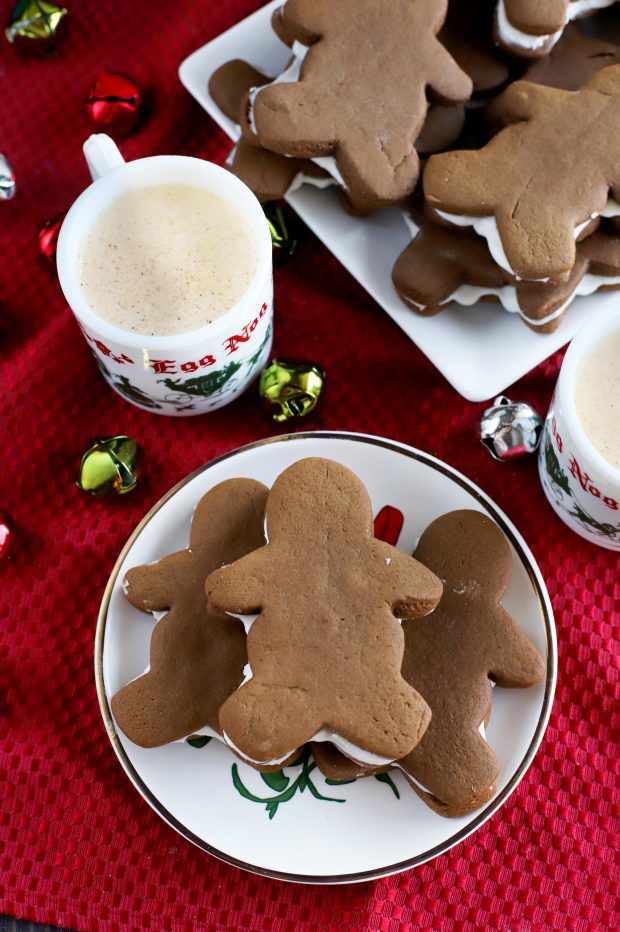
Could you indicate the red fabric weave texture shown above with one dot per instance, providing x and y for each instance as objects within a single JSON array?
[{"x": 78, "y": 847}]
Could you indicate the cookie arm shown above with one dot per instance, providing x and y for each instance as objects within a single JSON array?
[
  {"x": 409, "y": 588},
  {"x": 239, "y": 587},
  {"x": 453, "y": 181},
  {"x": 517, "y": 663},
  {"x": 447, "y": 82},
  {"x": 305, "y": 19},
  {"x": 150, "y": 587},
  {"x": 521, "y": 100}
]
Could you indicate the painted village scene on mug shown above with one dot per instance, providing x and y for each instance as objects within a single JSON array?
[{"x": 310, "y": 510}]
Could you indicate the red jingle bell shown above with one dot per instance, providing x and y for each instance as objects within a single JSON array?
[
  {"x": 48, "y": 236},
  {"x": 114, "y": 104}
]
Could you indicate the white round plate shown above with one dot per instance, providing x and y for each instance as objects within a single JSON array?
[{"x": 285, "y": 829}]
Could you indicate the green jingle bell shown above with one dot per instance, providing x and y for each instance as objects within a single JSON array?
[
  {"x": 291, "y": 389},
  {"x": 33, "y": 26},
  {"x": 110, "y": 466}
]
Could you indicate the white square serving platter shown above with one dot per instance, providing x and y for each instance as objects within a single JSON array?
[{"x": 480, "y": 350}]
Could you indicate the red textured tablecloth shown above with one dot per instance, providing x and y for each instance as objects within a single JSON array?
[{"x": 78, "y": 847}]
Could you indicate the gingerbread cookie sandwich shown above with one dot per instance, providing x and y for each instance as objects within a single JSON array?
[
  {"x": 452, "y": 656},
  {"x": 363, "y": 120},
  {"x": 443, "y": 265},
  {"x": 197, "y": 656},
  {"x": 540, "y": 182},
  {"x": 531, "y": 28},
  {"x": 326, "y": 649}
]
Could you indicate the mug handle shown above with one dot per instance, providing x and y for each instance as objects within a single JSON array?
[{"x": 102, "y": 155}]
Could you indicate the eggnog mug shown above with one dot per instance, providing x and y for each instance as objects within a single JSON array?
[
  {"x": 191, "y": 371},
  {"x": 579, "y": 455}
]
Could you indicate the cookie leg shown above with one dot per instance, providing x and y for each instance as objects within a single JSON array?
[
  {"x": 456, "y": 769},
  {"x": 266, "y": 724},
  {"x": 387, "y": 724}
]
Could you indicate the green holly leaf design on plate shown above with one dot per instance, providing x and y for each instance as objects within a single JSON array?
[
  {"x": 287, "y": 789},
  {"x": 199, "y": 741},
  {"x": 338, "y": 782},
  {"x": 386, "y": 778},
  {"x": 276, "y": 780}
]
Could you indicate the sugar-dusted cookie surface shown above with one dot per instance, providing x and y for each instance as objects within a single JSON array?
[
  {"x": 361, "y": 92},
  {"x": 538, "y": 182},
  {"x": 326, "y": 649},
  {"x": 452, "y": 655},
  {"x": 197, "y": 657}
]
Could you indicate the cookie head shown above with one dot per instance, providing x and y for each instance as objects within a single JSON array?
[
  {"x": 324, "y": 486},
  {"x": 464, "y": 551}
]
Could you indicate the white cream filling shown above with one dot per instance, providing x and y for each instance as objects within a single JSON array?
[
  {"x": 467, "y": 295},
  {"x": 357, "y": 754},
  {"x": 250, "y": 760},
  {"x": 247, "y": 675},
  {"x": 301, "y": 179},
  {"x": 207, "y": 731},
  {"x": 487, "y": 227},
  {"x": 579, "y": 8},
  {"x": 246, "y": 620},
  {"x": 611, "y": 209}
]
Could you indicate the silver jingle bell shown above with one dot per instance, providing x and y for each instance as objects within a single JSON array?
[{"x": 510, "y": 429}]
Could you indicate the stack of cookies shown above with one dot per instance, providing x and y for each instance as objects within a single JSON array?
[
  {"x": 376, "y": 658},
  {"x": 508, "y": 196}
]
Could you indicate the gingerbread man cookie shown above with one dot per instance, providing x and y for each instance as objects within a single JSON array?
[
  {"x": 197, "y": 656},
  {"x": 452, "y": 656},
  {"x": 359, "y": 93},
  {"x": 326, "y": 649},
  {"x": 536, "y": 185}
]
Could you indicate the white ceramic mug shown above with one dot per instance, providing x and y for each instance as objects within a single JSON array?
[
  {"x": 582, "y": 487},
  {"x": 187, "y": 373}
]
